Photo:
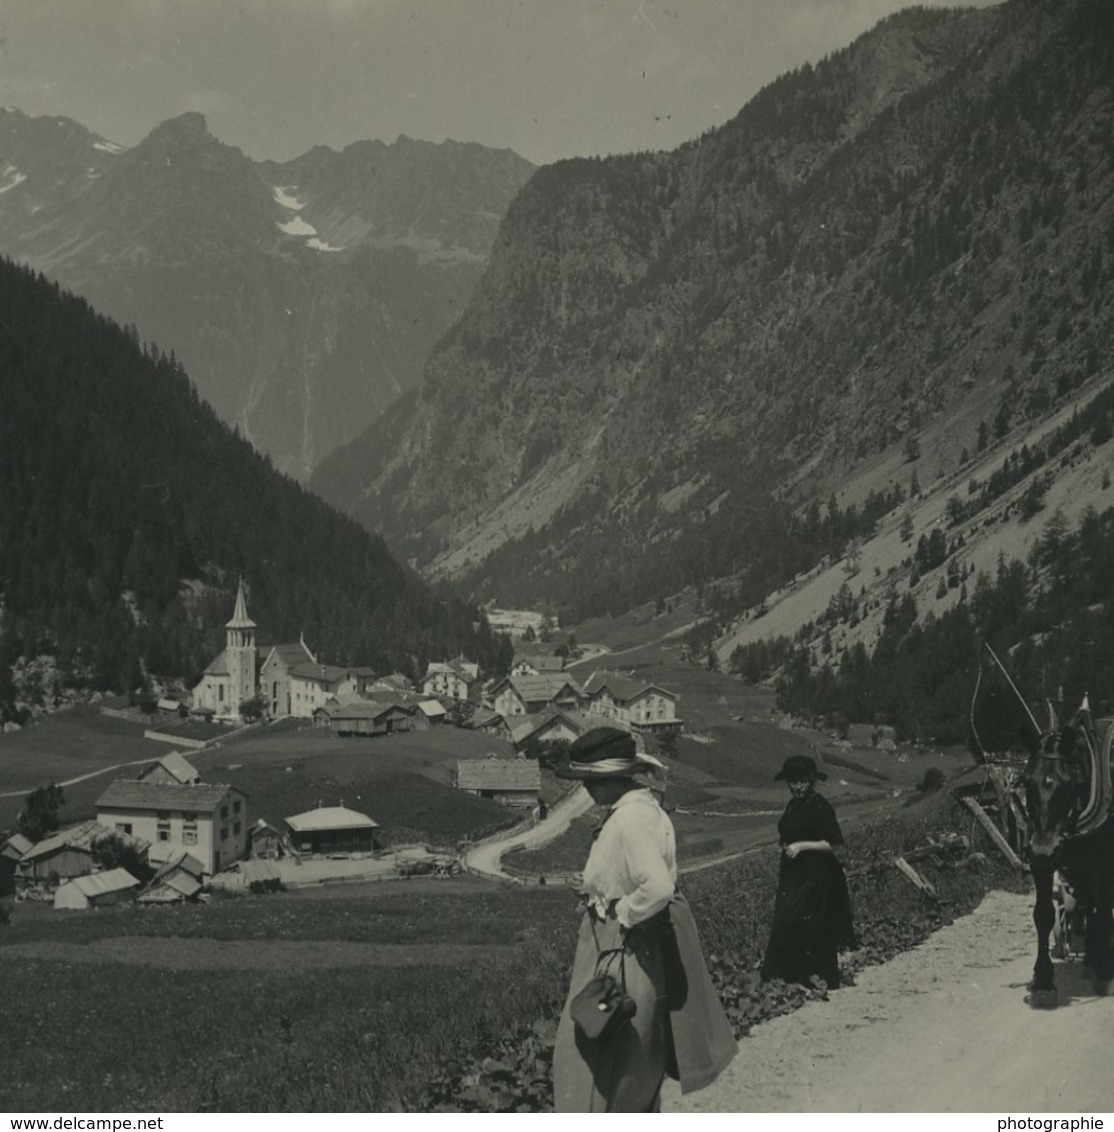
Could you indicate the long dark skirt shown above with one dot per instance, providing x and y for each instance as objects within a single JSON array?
[{"x": 812, "y": 920}]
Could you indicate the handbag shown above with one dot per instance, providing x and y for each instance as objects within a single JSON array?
[{"x": 602, "y": 1005}]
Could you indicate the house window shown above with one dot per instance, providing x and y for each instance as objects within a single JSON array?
[
  {"x": 189, "y": 837},
  {"x": 124, "y": 827},
  {"x": 220, "y": 693},
  {"x": 163, "y": 815},
  {"x": 224, "y": 813},
  {"x": 189, "y": 818},
  {"x": 236, "y": 828},
  {"x": 164, "y": 834},
  {"x": 224, "y": 833},
  {"x": 235, "y": 807}
]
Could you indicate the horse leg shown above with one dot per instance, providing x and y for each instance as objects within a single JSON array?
[
  {"x": 1042, "y": 990},
  {"x": 1100, "y": 944}
]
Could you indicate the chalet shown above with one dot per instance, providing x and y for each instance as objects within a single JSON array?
[
  {"x": 167, "y": 705},
  {"x": 313, "y": 685},
  {"x": 274, "y": 675},
  {"x": 550, "y": 726},
  {"x": 210, "y": 821},
  {"x": 265, "y": 842},
  {"x": 425, "y": 711},
  {"x": 11, "y": 853},
  {"x": 457, "y": 679},
  {"x": 69, "y": 853},
  {"x": 527, "y": 695},
  {"x": 180, "y": 878},
  {"x": 640, "y": 704},
  {"x": 355, "y": 717},
  {"x": 493, "y": 723},
  {"x": 395, "y": 682},
  {"x": 536, "y": 664},
  {"x": 333, "y": 829},
  {"x": 114, "y": 886},
  {"x": 173, "y": 768},
  {"x": 511, "y": 782}
]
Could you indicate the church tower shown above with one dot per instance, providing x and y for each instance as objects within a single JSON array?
[{"x": 240, "y": 654}]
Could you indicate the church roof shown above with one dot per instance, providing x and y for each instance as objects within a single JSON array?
[
  {"x": 218, "y": 666},
  {"x": 240, "y": 618},
  {"x": 291, "y": 654}
]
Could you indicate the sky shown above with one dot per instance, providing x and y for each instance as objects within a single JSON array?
[{"x": 546, "y": 78}]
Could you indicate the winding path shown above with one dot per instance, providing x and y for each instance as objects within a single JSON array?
[{"x": 485, "y": 858}]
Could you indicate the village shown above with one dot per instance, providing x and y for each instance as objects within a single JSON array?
[{"x": 188, "y": 837}]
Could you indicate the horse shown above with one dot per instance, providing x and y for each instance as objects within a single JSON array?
[{"x": 1067, "y": 793}]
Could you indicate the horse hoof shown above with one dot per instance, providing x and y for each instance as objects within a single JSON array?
[{"x": 1044, "y": 999}]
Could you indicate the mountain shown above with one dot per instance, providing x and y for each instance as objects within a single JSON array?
[
  {"x": 303, "y": 297},
  {"x": 882, "y": 261},
  {"x": 130, "y": 511}
]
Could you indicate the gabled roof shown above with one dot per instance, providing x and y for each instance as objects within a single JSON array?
[
  {"x": 330, "y": 817},
  {"x": 290, "y": 654},
  {"x": 541, "y": 688},
  {"x": 542, "y": 662},
  {"x": 79, "y": 837},
  {"x": 16, "y": 846},
  {"x": 218, "y": 666},
  {"x": 432, "y": 709},
  {"x": 498, "y": 774},
  {"x": 99, "y": 884},
  {"x": 467, "y": 671},
  {"x": 180, "y": 862},
  {"x": 361, "y": 709},
  {"x": 324, "y": 673},
  {"x": 171, "y": 888},
  {"x": 623, "y": 687},
  {"x": 129, "y": 794},
  {"x": 396, "y": 681},
  {"x": 177, "y": 766}
]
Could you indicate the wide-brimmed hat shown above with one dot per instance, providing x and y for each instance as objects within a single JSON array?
[
  {"x": 606, "y": 752},
  {"x": 797, "y": 767}
]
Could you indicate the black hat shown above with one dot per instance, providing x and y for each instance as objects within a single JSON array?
[
  {"x": 605, "y": 752},
  {"x": 797, "y": 767}
]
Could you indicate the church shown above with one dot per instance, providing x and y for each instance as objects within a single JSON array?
[{"x": 290, "y": 678}]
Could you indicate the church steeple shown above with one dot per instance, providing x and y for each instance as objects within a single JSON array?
[{"x": 240, "y": 652}]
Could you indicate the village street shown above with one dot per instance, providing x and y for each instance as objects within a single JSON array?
[
  {"x": 941, "y": 1028},
  {"x": 484, "y": 858}
]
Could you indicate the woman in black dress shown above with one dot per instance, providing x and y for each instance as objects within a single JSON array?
[{"x": 812, "y": 913}]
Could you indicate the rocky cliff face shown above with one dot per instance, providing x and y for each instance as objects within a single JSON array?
[
  {"x": 302, "y": 297},
  {"x": 915, "y": 232}
]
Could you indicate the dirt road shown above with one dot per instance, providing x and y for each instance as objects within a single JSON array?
[
  {"x": 942, "y": 1028},
  {"x": 485, "y": 858}
]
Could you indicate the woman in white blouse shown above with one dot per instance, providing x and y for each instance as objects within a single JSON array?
[{"x": 631, "y": 903}]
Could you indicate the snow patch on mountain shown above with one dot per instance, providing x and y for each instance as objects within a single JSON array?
[
  {"x": 108, "y": 147},
  {"x": 296, "y": 227},
  {"x": 286, "y": 200},
  {"x": 12, "y": 177},
  {"x": 321, "y": 246}
]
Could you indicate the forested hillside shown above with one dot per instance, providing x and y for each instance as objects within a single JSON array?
[
  {"x": 129, "y": 511},
  {"x": 882, "y": 259}
]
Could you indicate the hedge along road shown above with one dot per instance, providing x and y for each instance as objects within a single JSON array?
[
  {"x": 944, "y": 1027},
  {"x": 485, "y": 858}
]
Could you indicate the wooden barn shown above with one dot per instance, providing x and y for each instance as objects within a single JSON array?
[
  {"x": 172, "y": 768},
  {"x": 266, "y": 843},
  {"x": 67, "y": 854},
  {"x": 363, "y": 717},
  {"x": 333, "y": 829},
  {"x": 511, "y": 782},
  {"x": 115, "y": 886},
  {"x": 179, "y": 879}
]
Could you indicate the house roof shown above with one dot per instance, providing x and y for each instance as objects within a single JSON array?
[
  {"x": 432, "y": 709},
  {"x": 99, "y": 884},
  {"x": 181, "y": 861},
  {"x": 130, "y": 794},
  {"x": 218, "y": 666},
  {"x": 16, "y": 846},
  {"x": 467, "y": 671},
  {"x": 170, "y": 888},
  {"x": 330, "y": 817},
  {"x": 324, "y": 673},
  {"x": 498, "y": 774},
  {"x": 541, "y": 688},
  {"x": 177, "y": 766},
  {"x": 396, "y": 681},
  {"x": 290, "y": 654},
  {"x": 165, "y": 703},
  {"x": 360, "y": 709},
  {"x": 623, "y": 687},
  {"x": 79, "y": 837},
  {"x": 542, "y": 662}
]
